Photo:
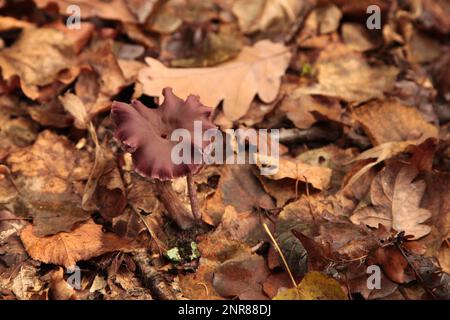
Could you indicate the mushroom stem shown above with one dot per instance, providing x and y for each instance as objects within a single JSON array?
[
  {"x": 193, "y": 196},
  {"x": 174, "y": 207}
]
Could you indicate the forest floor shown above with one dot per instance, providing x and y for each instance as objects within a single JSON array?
[{"x": 358, "y": 206}]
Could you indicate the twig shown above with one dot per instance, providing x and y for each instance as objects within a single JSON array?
[
  {"x": 308, "y": 135},
  {"x": 193, "y": 196},
  {"x": 151, "y": 278}
]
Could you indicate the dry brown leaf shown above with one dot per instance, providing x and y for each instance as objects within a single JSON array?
[
  {"x": 434, "y": 15},
  {"x": 122, "y": 10},
  {"x": 396, "y": 199},
  {"x": 67, "y": 248},
  {"x": 47, "y": 175},
  {"x": 347, "y": 75},
  {"x": 9, "y": 23},
  {"x": 214, "y": 249},
  {"x": 256, "y": 70},
  {"x": 358, "y": 38},
  {"x": 242, "y": 277},
  {"x": 37, "y": 57},
  {"x": 259, "y": 15},
  {"x": 292, "y": 168},
  {"x": 328, "y": 18},
  {"x": 393, "y": 264},
  {"x": 305, "y": 110},
  {"x": 389, "y": 120},
  {"x": 238, "y": 187},
  {"x": 104, "y": 189},
  {"x": 359, "y": 7},
  {"x": 27, "y": 285},
  {"x": 244, "y": 226},
  {"x": 379, "y": 153}
]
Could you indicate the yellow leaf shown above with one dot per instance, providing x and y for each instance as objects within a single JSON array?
[{"x": 314, "y": 286}]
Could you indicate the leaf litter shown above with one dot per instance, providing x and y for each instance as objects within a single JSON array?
[{"x": 363, "y": 175}]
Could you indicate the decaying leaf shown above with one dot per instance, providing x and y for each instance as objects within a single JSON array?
[
  {"x": 47, "y": 175},
  {"x": 396, "y": 196},
  {"x": 236, "y": 180},
  {"x": 122, "y": 10},
  {"x": 37, "y": 57},
  {"x": 314, "y": 286},
  {"x": 319, "y": 177},
  {"x": 259, "y": 67},
  {"x": 242, "y": 277},
  {"x": 259, "y": 15},
  {"x": 347, "y": 75},
  {"x": 67, "y": 248},
  {"x": 389, "y": 120}
]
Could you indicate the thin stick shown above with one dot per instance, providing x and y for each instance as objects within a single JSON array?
[
  {"x": 193, "y": 196},
  {"x": 266, "y": 228}
]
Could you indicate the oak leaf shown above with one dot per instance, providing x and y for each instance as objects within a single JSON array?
[
  {"x": 256, "y": 70},
  {"x": 396, "y": 197}
]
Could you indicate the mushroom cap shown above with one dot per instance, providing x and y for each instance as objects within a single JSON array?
[{"x": 145, "y": 133}]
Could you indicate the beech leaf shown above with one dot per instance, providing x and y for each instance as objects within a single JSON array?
[{"x": 67, "y": 248}]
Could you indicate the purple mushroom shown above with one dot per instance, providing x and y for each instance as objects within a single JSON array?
[{"x": 146, "y": 134}]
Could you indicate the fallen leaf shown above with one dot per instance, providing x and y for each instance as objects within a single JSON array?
[
  {"x": 241, "y": 277},
  {"x": 319, "y": 177},
  {"x": 67, "y": 248},
  {"x": 393, "y": 264},
  {"x": 236, "y": 180},
  {"x": 276, "y": 283},
  {"x": 396, "y": 198},
  {"x": 380, "y": 153},
  {"x": 434, "y": 15},
  {"x": 328, "y": 18},
  {"x": 47, "y": 175},
  {"x": 259, "y": 15},
  {"x": 305, "y": 110},
  {"x": 389, "y": 120},
  {"x": 37, "y": 57},
  {"x": 347, "y": 75},
  {"x": 26, "y": 284},
  {"x": 314, "y": 286},
  {"x": 260, "y": 67},
  {"x": 358, "y": 38},
  {"x": 244, "y": 226},
  {"x": 122, "y": 10}
]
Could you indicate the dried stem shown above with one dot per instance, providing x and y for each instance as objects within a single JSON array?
[{"x": 193, "y": 196}]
